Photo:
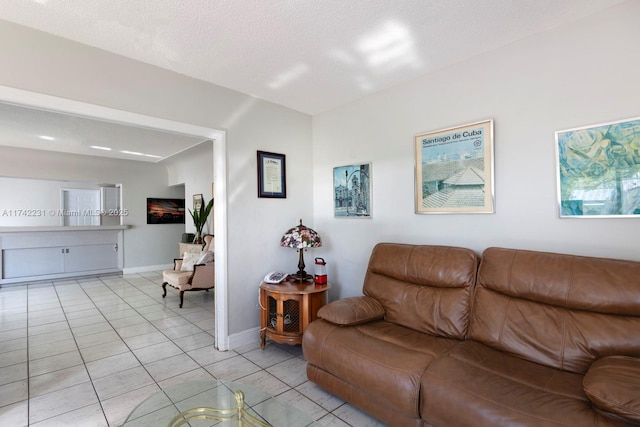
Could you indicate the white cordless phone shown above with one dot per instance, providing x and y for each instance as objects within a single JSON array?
[{"x": 275, "y": 277}]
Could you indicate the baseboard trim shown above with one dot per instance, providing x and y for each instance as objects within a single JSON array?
[
  {"x": 244, "y": 338},
  {"x": 57, "y": 277},
  {"x": 147, "y": 268}
]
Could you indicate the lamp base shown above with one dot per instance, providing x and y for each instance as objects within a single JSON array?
[{"x": 300, "y": 277}]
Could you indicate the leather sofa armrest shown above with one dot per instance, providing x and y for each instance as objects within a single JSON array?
[
  {"x": 203, "y": 276},
  {"x": 612, "y": 385},
  {"x": 352, "y": 311}
]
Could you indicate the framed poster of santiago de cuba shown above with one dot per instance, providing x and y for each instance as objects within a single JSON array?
[{"x": 454, "y": 170}]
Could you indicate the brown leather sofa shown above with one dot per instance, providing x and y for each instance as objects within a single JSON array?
[{"x": 520, "y": 338}]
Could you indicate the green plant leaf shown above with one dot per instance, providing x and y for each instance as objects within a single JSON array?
[{"x": 200, "y": 216}]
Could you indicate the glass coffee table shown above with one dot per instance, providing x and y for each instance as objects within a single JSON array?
[{"x": 210, "y": 402}]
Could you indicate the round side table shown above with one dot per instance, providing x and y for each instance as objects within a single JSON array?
[{"x": 287, "y": 309}]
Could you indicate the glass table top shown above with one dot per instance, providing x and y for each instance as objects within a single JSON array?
[{"x": 211, "y": 402}]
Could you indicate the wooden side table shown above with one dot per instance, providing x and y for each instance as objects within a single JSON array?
[{"x": 287, "y": 309}]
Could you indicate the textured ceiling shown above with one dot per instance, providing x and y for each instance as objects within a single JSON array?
[{"x": 308, "y": 55}]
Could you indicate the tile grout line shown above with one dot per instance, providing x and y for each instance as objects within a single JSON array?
[
  {"x": 149, "y": 322},
  {"x": 84, "y": 363},
  {"x": 28, "y": 365},
  {"x": 72, "y": 293}
]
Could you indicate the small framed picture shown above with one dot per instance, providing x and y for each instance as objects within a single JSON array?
[
  {"x": 165, "y": 211},
  {"x": 352, "y": 191},
  {"x": 197, "y": 202},
  {"x": 272, "y": 177}
]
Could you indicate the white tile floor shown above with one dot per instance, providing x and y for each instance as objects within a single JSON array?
[{"x": 85, "y": 352}]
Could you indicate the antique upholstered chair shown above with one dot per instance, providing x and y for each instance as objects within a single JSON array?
[{"x": 193, "y": 272}]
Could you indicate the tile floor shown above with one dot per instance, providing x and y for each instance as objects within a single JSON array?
[{"x": 85, "y": 352}]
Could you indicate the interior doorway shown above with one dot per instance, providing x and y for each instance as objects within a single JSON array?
[{"x": 36, "y": 100}]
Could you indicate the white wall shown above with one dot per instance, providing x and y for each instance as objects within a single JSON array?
[
  {"x": 34, "y": 202},
  {"x": 580, "y": 74},
  {"x": 193, "y": 169},
  {"x": 42, "y": 63},
  {"x": 139, "y": 180}
]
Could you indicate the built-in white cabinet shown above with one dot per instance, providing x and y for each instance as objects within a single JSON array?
[
  {"x": 31, "y": 262},
  {"x": 57, "y": 252},
  {"x": 91, "y": 257}
]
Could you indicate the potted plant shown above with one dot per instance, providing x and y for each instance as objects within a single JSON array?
[{"x": 200, "y": 219}]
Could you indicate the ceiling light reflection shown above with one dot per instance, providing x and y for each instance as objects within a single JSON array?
[
  {"x": 342, "y": 56},
  {"x": 47, "y": 138},
  {"x": 98, "y": 147},
  {"x": 136, "y": 153},
  {"x": 391, "y": 46},
  {"x": 293, "y": 73}
]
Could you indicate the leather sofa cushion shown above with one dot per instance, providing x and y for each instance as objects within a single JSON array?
[
  {"x": 613, "y": 385},
  {"x": 352, "y": 311},
  {"x": 379, "y": 357},
  {"x": 425, "y": 288},
  {"x": 563, "y": 311},
  {"x": 475, "y": 385}
]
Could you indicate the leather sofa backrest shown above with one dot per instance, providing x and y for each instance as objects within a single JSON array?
[
  {"x": 425, "y": 288},
  {"x": 559, "y": 310}
]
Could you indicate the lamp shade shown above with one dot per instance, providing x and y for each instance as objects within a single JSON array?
[{"x": 301, "y": 237}]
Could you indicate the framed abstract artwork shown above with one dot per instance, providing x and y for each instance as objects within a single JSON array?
[{"x": 598, "y": 170}]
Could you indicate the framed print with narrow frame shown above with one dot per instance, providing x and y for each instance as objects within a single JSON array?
[
  {"x": 197, "y": 202},
  {"x": 272, "y": 177},
  {"x": 598, "y": 169},
  {"x": 352, "y": 191},
  {"x": 454, "y": 170},
  {"x": 165, "y": 211}
]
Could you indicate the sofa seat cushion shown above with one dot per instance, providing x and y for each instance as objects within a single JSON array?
[
  {"x": 177, "y": 279},
  {"x": 613, "y": 385},
  {"x": 380, "y": 358},
  {"x": 476, "y": 385}
]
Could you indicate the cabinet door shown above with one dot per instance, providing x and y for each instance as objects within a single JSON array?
[
  {"x": 284, "y": 314},
  {"x": 82, "y": 206},
  {"x": 32, "y": 262},
  {"x": 91, "y": 257},
  {"x": 110, "y": 198}
]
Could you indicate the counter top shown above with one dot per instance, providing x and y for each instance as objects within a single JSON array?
[{"x": 62, "y": 228}]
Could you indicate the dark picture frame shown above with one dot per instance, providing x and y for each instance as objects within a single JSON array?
[
  {"x": 272, "y": 175},
  {"x": 165, "y": 211}
]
